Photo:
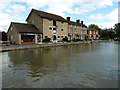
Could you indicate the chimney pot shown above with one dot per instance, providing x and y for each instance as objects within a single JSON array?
[
  {"x": 68, "y": 18},
  {"x": 82, "y": 22},
  {"x": 78, "y": 21}
]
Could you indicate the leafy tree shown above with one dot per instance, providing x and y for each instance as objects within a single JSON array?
[
  {"x": 3, "y": 36},
  {"x": 104, "y": 35},
  {"x": 94, "y": 26},
  {"x": 117, "y": 30},
  {"x": 111, "y": 34}
]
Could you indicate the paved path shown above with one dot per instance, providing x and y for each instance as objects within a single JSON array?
[{"x": 16, "y": 47}]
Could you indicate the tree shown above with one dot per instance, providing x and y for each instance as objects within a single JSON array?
[
  {"x": 104, "y": 35},
  {"x": 94, "y": 26},
  {"x": 117, "y": 30},
  {"x": 3, "y": 36},
  {"x": 111, "y": 34}
]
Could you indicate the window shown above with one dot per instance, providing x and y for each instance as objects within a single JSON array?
[
  {"x": 50, "y": 28},
  {"x": 54, "y": 28},
  {"x": 62, "y": 36},
  {"x": 96, "y": 32},
  {"x": 45, "y": 36},
  {"x": 54, "y": 32},
  {"x": 90, "y": 32},
  {"x": 62, "y": 29},
  {"x": 58, "y": 36},
  {"x": 54, "y": 23}
]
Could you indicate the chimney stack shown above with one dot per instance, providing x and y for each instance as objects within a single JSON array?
[
  {"x": 68, "y": 18},
  {"x": 82, "y": 22},
  {"x": 78, "y": 21}
]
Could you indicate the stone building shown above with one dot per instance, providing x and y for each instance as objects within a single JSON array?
[
  {"x": 51, "y": 25},
  {"x": 21, "y": 33},
  {"x": 76, "y": 30},
  {"x": 41, "y": 25},
  {"x": 93, "y": 34}
]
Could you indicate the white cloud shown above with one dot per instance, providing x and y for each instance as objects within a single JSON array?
[
  {"x": 103, "y": 25},
  {"x": 112, "y": 16},
  {"x": 108, "y": 20},
  {"x": 4, "y": 21},
  {"x": 14, "y": 12},
  {"x": 68, "y": 5}
]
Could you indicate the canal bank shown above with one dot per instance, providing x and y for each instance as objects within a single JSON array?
[{"x": 19, "y": 47}]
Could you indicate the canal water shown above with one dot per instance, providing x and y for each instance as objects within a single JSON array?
[{"x": 74, "y": 66}]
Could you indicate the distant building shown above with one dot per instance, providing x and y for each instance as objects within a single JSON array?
[
  {"x": 93, "y": 34},
  {"x": 76, "y": 30}
]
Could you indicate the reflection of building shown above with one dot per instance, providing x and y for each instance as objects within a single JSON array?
[
  {"x": 41, "y": 25},
  {"x": 93, "y": 34}
]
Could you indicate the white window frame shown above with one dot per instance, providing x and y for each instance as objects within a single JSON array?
[{"x": 90, "y": 32}]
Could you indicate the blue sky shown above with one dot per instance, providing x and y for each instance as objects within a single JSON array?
[{"x": 103, "y": 13}]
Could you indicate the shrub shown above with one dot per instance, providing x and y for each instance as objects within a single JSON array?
[
  {"x": 105, "y": 38},
  {"x": 74, "y": 40},
  {"x": 46, "y": 40},
  {"x": 65, "y": 39}
]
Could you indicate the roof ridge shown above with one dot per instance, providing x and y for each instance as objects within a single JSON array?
[
  {"x": 18, "y": 23},
  {"x": 21, "y": 23},
  {"x": 47, "y": 12}
]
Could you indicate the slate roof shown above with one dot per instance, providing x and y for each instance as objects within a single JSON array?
[
  {"x": 92, "y": 29},
  {"x": 25, "y": 28},
  {"x": 47, "y": 15},
  {"x": 75, "y": 23}
]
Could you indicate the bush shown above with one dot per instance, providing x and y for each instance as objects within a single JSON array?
[
  {"x": 74, "y": 40},
  {"x": 46, "y": 40},
  {"x": 65, "y": 39},
  {"x": 105, "y": 38},
  {"x": 69, "y": 40}
]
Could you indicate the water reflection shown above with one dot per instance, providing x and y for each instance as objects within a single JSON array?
[{"x": 84, "y": 65}]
